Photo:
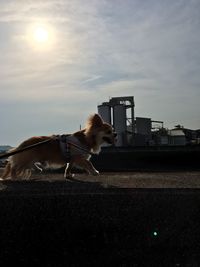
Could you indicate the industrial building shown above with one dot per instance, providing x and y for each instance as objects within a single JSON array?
[
  {"x": 119, "y": 112},
  {"x": 139, "y": 131}
]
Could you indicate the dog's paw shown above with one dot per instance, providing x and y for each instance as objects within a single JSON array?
[
  {"x": 69, "y": 176},
  {"x": 96, "y": 173}
]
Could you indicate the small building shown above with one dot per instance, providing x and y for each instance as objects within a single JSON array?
[{"x": 177, "y": 137}]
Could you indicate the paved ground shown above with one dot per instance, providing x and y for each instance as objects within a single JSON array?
[
  {"x": 48, "y": 220},
  {"x": 190, "y": 179}
]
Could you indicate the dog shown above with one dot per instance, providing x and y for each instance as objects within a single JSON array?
[{"x": 74, "y": 149}]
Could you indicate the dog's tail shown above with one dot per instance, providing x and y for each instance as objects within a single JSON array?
[
  {"x": 7, "y": 171},
  {"x": 13, "y": 173}
]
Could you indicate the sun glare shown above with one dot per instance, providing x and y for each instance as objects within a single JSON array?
[{"x": 40, "y": 36}]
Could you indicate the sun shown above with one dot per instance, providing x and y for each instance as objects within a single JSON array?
[{"x": 41, "y": 34}]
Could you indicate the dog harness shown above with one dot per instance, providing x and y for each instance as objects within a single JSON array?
[{"x": 66, "y": 141}]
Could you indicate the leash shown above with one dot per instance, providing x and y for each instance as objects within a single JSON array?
[{"x": 11, "y": 153}]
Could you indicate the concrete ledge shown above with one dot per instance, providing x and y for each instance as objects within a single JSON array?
[
  {"x": 148, "y": 158},
  {"x": 51, "y": 224}
]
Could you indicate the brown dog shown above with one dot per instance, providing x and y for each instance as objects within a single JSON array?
[{"x": 74, "y": 149}]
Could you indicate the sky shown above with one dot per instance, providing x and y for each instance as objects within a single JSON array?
[{"x": 91, "y": 51}]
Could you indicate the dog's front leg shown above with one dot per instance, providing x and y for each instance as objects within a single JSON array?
[
  {"x": 92, "y": 168},
  {"x": 87, "y": 165}
]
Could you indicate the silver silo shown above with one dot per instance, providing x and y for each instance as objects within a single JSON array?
[
  {"x": 104, "y": 111},
  {"x": 119, "y": 123}
]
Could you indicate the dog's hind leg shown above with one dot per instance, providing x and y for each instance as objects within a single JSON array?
[
  {"x": 7, "y": 171},
  {"x": 13, "y": 173},
  {"x": 28, "y": 173},
  {"x": 24, "y": 174},
  {"x": 10, "y": 171}
]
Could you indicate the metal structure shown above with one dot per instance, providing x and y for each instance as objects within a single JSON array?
[
  {"x": 143, "y": 126},
  {"x": 119, "y": 112},
  {"x": 128, "y": 102},
  {"x": 143, "y": 135}
]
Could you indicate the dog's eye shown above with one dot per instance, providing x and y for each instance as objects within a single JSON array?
[{"x": 109, "y": 132}]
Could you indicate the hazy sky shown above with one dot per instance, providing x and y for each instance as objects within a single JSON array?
[{"x": 94, "y": 50}]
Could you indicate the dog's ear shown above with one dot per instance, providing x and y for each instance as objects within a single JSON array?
[{"x": 95, "y": 121}]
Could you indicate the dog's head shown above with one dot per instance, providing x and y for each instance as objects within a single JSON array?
[{"x": 100, "y": 132}]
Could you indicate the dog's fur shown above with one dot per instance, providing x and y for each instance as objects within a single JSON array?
[{"x": 92, "y": 137}]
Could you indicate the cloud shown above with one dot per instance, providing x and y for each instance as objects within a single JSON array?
[
  {"x": 148, "y": 49},
  {"x": 94, "y": 78}
]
